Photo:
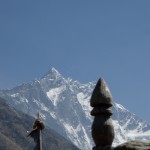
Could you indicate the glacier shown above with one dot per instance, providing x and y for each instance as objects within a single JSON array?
[{"x": 64, "y": 105}]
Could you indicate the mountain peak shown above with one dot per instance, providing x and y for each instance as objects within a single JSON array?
[
  {"x": 65, "y": 106},
  {"x": 54, "y": 70},
  {"x": 52, "y": 73}
]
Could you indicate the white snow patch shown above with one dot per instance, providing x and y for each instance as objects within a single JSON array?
[
  {"x": 76, "y": 131},
  {"x": 87, "y": 139},
  {"x": 53, "y": 94},
  {"x": 84, "y": 102},
  {"x": 41, "y": 105},
  {"x": 24, "y": 100},
  {"x": 123, "y": 134},
  {"x": 138, "y": 132},
  {"x": 121, "y": 107},
  {"x": 43, "y": 116},
  {"x": 120, "y": 138},
  {"x": 15, "y": 95},
  {"x": 53, "y": 114}
]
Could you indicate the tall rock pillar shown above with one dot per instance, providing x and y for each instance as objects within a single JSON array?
[{"x": 102, "y": 127}]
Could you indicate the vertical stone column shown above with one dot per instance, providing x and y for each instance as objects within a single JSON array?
[{"x": 102, "y": 128}]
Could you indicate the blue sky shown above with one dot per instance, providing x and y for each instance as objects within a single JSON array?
[{"x": 83, "y": 40}]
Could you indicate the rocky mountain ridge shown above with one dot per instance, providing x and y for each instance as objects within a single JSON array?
[
  {"x": 64, "y": 105},
  {"x": 14, "y": 127}
]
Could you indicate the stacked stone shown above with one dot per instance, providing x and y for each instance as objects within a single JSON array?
[
  {"x": 134, "y": 145},
  {"x": 102, "y": 128}
]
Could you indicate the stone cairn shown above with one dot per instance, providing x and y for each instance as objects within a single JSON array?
[{"x": 102, "y": 127}]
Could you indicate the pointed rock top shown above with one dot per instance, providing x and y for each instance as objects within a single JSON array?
[
  {"x": 101, "y": 94},
  {"x": 53, "y": 73}
]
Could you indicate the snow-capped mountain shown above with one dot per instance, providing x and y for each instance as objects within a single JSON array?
[{"x": 64, "y": 105}]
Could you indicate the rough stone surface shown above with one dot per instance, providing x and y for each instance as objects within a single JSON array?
[
  {"x": 101, "y": 94},
  {"x": 102, "y": 148},
  {"x": 134, "y": 145},
  {"x": 101, "y": 110},
  {"x": 102, "y": 131},
  {"x": 102, "y": 127}
]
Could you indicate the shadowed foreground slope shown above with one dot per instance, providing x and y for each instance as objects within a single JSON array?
[{"x": 13, "y": 132}]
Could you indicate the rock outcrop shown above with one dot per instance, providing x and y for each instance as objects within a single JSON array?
[{"x": 134, "y": 145}]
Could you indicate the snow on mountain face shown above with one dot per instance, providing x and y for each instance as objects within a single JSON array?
[{"x": 64, "y": 105}]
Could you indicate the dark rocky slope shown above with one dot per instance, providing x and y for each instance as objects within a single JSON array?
[{"x": 13, "y": 132}]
